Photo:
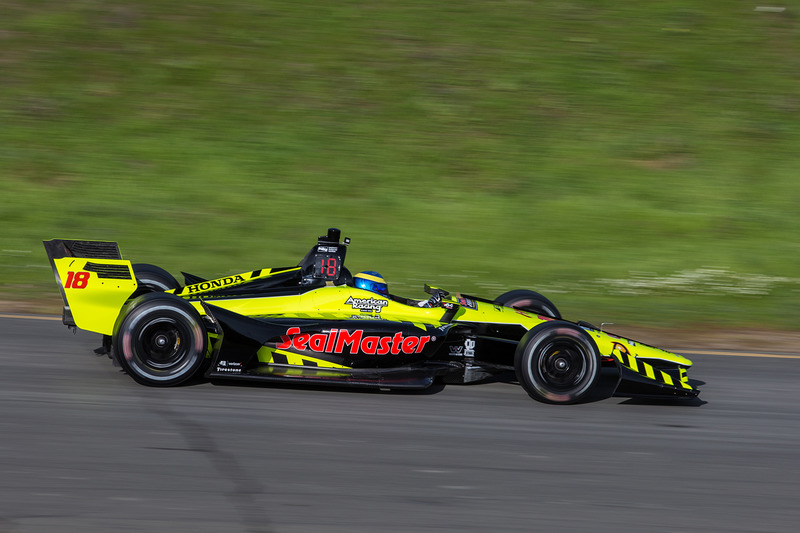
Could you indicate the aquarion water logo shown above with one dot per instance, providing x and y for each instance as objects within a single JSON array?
[
  {"x": 214, "y": 284},
  {"x": 367, "y": 305},
  {"x": 343, "y": 341}
]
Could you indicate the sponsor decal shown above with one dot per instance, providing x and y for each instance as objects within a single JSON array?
[
  {"x": 466, "y": 350},
  {"x": 367, "y": 305},
  {"x": 469, "y": 303},
  {"x": 230, "y": 367},
  {"x": 214, "y": 284},
  {"x": 343, "y": 341},
  {"x": 619, "y": 347},
  {"x": 469, "y": 347}
]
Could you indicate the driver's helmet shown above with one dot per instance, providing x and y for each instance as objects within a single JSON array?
[{"x": 370, "y": 280}]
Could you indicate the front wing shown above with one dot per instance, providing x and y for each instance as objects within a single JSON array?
[{"x": 639, "y": 377}]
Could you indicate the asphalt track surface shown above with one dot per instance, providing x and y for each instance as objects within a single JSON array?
[{"x": 85, "y": 449}]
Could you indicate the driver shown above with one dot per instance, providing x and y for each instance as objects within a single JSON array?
[{"x": 369, "y": 280}]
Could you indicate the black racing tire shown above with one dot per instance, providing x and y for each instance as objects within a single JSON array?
[
  {"x": 531, "y": 301},
  {"x": 160, "y": 340},
  {"x": 558, "y": 362},
  {"x": 152, "y": 278}
]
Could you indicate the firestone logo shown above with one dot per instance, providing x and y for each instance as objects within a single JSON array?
[
  {"x": 367, "y": 305},
  {"x": 337, "y": 340}
]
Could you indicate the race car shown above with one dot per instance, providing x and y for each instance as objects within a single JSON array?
[{"x": 313, "y": 324}]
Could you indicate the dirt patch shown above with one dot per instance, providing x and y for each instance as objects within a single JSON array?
[{"x": 38, "y": 306}]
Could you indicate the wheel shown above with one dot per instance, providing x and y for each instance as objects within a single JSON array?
[
  {"x": 152, "y": 278},
  {"x": 529, "y": 301},
  {"x": 557, "y": 362},
  {"x": 160, "y": 341}
]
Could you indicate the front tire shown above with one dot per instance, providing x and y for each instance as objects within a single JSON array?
[
  {"x": 530, "y": 301},
  {"x": 557, "y": 362},
  {"x": 161, "y": 340}
]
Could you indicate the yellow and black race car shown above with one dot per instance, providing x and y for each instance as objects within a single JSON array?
[{"x": 316, "y": 323}]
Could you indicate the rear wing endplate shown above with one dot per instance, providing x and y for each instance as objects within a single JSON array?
[{"x": 94, "y": 282}]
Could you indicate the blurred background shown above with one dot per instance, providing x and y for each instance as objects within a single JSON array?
[{"x": 635, "y": 162}]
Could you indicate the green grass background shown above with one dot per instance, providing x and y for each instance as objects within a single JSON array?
[{"x": 476, "y": 145}]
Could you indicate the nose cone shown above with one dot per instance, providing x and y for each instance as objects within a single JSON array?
[{"x": 651, "y": 352}]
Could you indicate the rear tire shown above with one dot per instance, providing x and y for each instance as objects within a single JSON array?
[
  {"x": 161, "y": 340},
  {"x": 530, "y": 301},
  {"x": 152, "y": 278},
  {"x": 557, "y": 362}
]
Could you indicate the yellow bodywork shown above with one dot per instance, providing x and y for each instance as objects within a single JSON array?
[
  {"x": 266, "y": 355},
  {"x": 94, "y": 301}
]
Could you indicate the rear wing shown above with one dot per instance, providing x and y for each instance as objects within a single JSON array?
[{"x": 94, "y": 282}]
